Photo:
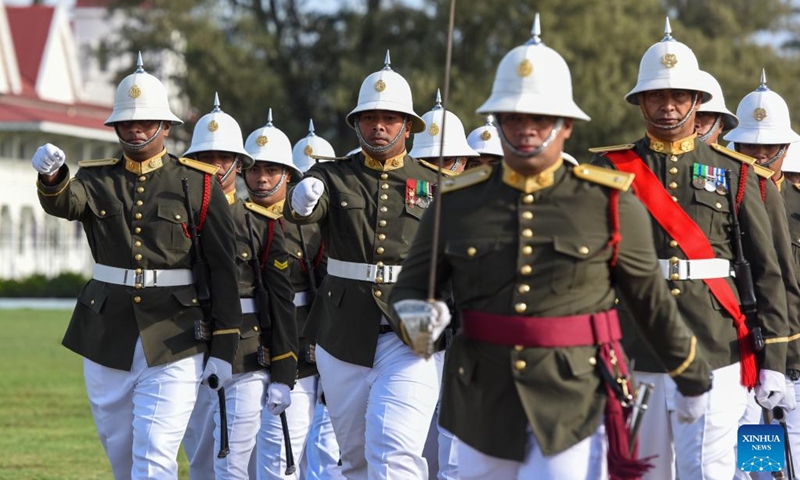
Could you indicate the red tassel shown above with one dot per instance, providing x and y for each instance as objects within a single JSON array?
[{"x": 621, "y": 465}]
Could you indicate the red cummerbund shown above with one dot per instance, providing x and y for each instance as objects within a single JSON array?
[{"x": 547, "y": 332}]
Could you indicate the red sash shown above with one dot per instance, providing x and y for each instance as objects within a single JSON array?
[{"x": 694, "y": 243}]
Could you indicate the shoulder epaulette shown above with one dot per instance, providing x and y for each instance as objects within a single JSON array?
[
  {"x": 203, "y": 167},
  {"x": 103, "y": 162},
  {"x": 446, "y": 173},
  {"x": 471, "y": 177},
  {"x": 604, "y": 176},
  {"x": 612, "y": 148},
  {"x": 763, "y": 171},
  {"x": 323, "y": 157},
  {"x": 733, "y": 154},
  {"x": 263, "y": 211}
]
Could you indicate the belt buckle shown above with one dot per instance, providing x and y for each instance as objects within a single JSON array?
[
  {"x": 138, "y": 279},
  {"x": 372, "y": 273},
  {"x": 674, "y": 270}
]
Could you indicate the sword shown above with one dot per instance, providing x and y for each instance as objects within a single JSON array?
[
  {"x": 224, "y": 449},
  {"x": 638, "y": 410},
  {"x": 779, "y": 414}
]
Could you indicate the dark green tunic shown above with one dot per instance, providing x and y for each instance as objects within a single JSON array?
[{"x": 135, "y": 220}]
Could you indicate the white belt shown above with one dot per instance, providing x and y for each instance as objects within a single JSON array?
[
  {"x": 363, "y": 271},
  {"x": 302, "y": 298},
  {"x": 248, "y": 305},
  {"x": 141, "y": 278},
  {"x": 676, "y": 269}
]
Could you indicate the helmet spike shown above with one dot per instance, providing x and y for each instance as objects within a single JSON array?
[
  {"x": 763, "y": 87},
  {"x": 216, "y": 103},
  {"x": 438, "y": 105},
  {"x": 139, "y": 63},
  {"x": 269, "y": 117},
  {"x": 311, "y": 127},
  {"x": 536, "y": 32},
  {"x": 387, "y": 62},
  {"x": 667, "y": 32}
]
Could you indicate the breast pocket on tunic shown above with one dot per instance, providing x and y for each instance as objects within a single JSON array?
[
  {"x": 411, "y": 218},
  {"x": 482, "y": 261},
  {"x": 349, "y": 213},
  {"x": 171, "y": 231},
  {"x": 712, "y": 215},
  {"x": 105, "y": 216},
  {"x": 573, "y": 262}
]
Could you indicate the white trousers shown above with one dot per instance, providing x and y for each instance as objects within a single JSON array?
[
  {"x": 441, "y": 446},
  {"x": 141, "y": 415},
  {"x": 381, "y": 414},
  {"x": 700, "y": 450},
  {"x": 244, "y": 397},
  {"x": 271, "y": 462},
  {"x": 585, "y": 460},
  {"x": 753, "y": 415},
  {"x": 322, "y": 450}
]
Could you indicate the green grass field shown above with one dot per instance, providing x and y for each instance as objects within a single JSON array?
[{"x": 46, "y": 428}]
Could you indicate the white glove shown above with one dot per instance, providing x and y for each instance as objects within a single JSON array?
[
  {"x": 424, "y": 322},
  {"x": 771, "y": 388},
  {"x": 278, "y": 398},
  {"x": 222, "y": 369},
  {"x": 689, "y": 409},
  {"x": 48, "y": 159},
  {"x": 789, "y": 401},
  {"x": 306, "y": 195}
]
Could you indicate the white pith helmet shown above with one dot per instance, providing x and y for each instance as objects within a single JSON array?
[
  {"x": 218, "y": 131},
  {"x": 386, "y": 90},
  {"x": 534, "y": 79},
  {"x": 309, "y": 145},
  {"x": 269, "y": 144},
  {"x": 428, "y": 144},
  {"x": 141, "y": 96},
  {"x": 717, "y": 102},
  {"x": 763, "y": 118},
  {"x": 668, "y": 64},
  {"x": 485, "y": 139},
  {"x": 791, "y": 162}
]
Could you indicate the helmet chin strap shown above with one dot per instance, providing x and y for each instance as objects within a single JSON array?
[
  {"x": 711, "y": 130},
  {"x": 677, "y": 125},
  {"x": 271, "y": 191},
  {"x": 371, "y": 149},
  {"x": 538, "y": 150},
  {"x": 138, "y": 146},
  {"x": 774, "y": 158},
  {"x": 227, "y": 174}
]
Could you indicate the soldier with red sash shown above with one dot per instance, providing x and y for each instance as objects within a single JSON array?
[
  {"x": 682, "y": 182},
  {"x": 535, "y": 383}
]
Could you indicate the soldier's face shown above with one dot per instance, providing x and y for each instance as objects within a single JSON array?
[
  {"x": 762, "y": 153},
  {"x": 137, "y": 132},
  {"x": 264, "y": 176},
  {"x": 526, "y": 132},
  {"x": 704, "y": 121},
  {"x": 667, "y": 107},
  {"x": 473, "y": 162},
  {"x": 225, "y": 161},
  {"x": 380, "y": 127}
]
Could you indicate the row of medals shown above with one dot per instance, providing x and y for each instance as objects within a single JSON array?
[{"x": 710, "y": 185}]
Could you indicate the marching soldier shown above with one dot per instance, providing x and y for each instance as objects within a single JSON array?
[
  {"x": 134, "y": 321},
  {"x": 713, "y": 117},
  {"x": 765, "y": 134},
  {"x": 428, "y": 144},
  {"x": 682, "y": 183},
  {"x": 534, "y": 249},
  {"x": 267, "y": 182},
  {"x": 486, "y": 142},
  {"x": 381, "y": 396},
  {"x": 321, "y": 458},
  {"x": 217, "y": 140}
]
